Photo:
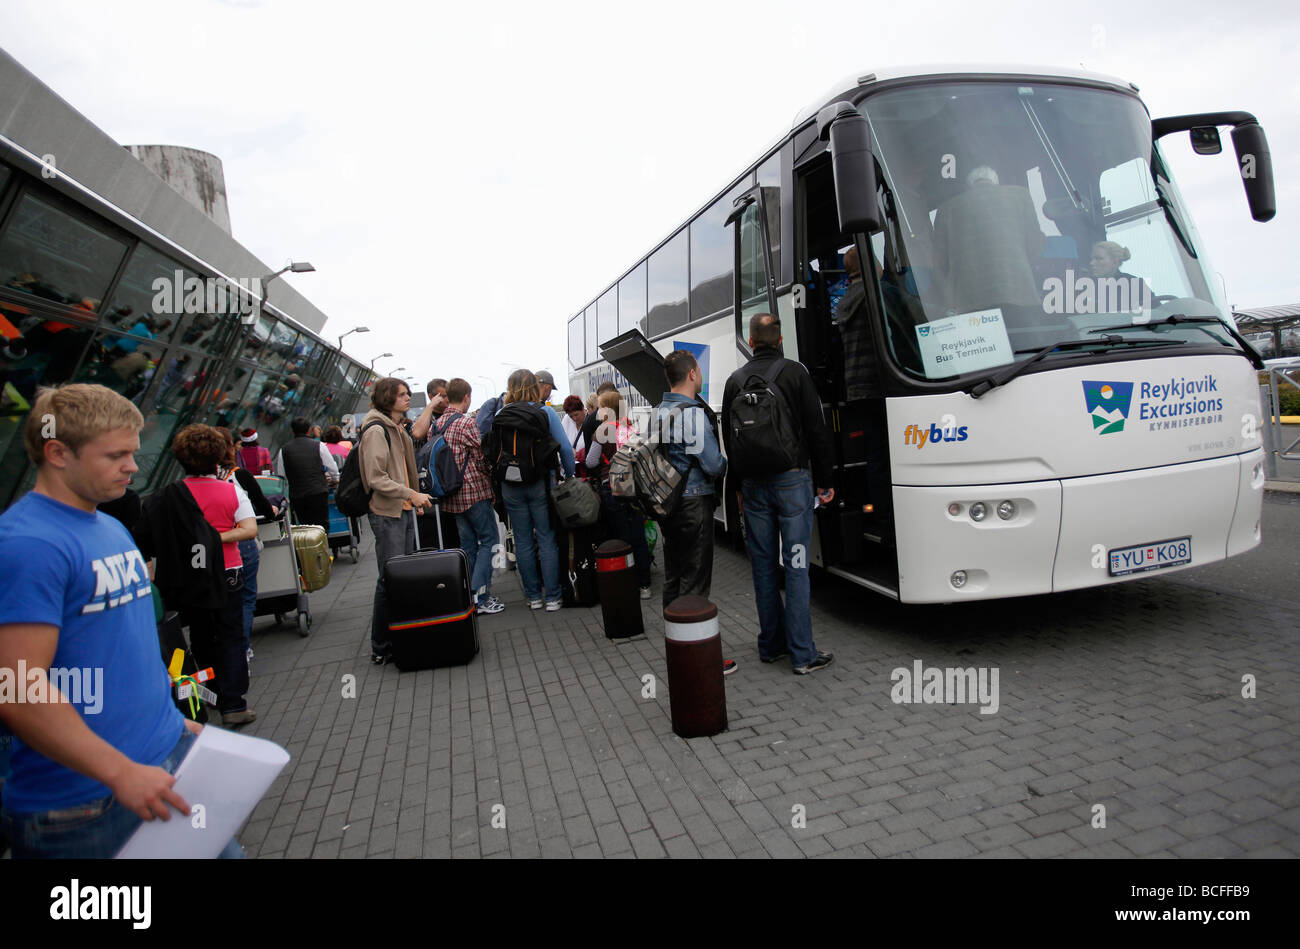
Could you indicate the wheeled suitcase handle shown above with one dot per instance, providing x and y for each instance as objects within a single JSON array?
[{"x": 437, "y": 517}]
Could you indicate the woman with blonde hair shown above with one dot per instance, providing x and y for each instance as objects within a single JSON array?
[
  {"x": 522, "y": 421},
  {"x": 1107, "y": 256}
]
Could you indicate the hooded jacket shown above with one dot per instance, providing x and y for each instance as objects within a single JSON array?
[{"x": 383, "y": 461}]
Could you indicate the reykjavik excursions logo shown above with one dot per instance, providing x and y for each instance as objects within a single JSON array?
[{"x": 1177, "y": 403}]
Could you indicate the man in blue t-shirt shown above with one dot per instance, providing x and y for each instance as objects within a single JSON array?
[{"x": 82, "y": 683}]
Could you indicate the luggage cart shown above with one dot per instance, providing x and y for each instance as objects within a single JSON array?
[
  {"x": 279, "y": 584},
  {"x": 344, "y": 531}
]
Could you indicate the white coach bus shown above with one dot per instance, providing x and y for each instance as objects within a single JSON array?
[{"x": 1063, "y": 398}]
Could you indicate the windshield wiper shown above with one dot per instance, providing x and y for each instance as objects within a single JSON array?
[
  {"x": 1250, "y": 351},
  {"x": 1172, "y": 218},
  {"x": 1006, "y": 375}
]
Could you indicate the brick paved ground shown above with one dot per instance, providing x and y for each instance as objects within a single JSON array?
[{"x": 1127, "y": 697}]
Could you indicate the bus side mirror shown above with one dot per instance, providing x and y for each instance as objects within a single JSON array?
[
  {"x": 854, "y": 168},
  {"x": 1205, "y": 140},
  {"x": 1256, "y": 167}
]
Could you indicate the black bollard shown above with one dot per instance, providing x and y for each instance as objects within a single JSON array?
[
  {"x": 620, "y": 599},
  {"x": 693, "y": 648}
]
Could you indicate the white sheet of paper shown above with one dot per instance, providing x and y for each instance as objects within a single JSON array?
[{"x": 226, "y": 774}]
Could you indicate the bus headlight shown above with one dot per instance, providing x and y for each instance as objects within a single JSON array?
[
  {"x": 954, "y": 509},
  {"x": 1007, "y": 510},
  {"x": 958, "y": 579},
  {"x": 978, "y": 511}
]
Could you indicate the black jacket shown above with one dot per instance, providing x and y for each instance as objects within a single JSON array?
[
  {"x": 171, "y": 525},
  {"x": 861, "y": 374},
  {"x": 302, "y": 468},
  {"x": 805, "y": 404}
]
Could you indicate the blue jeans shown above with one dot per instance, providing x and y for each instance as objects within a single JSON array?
[
  {"x": 478, "y": 535},
  {"x": 394, "y": 536},
  {"x": 529, "y": 511},
  {"x": 92, "y": 831},
  {"x": 252, "y": 558},
  {"x": 779, "y": 511}
]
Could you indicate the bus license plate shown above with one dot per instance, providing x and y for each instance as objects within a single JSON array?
[{"x": 1156, "y": 556}]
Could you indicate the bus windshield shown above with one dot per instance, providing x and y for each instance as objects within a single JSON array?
[{"x": 1022, "y": 216}]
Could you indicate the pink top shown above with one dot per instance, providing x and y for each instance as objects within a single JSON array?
[
  {"x": 219, "y": 503},
  {"x": 257, "y": 460},
  {"x": 338, "y": 450}
]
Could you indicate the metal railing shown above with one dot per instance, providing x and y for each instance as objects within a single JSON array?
[{"x": 1279, "y": 370}]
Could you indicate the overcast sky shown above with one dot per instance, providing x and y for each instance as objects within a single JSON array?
[{"x": 466, "y": 177}]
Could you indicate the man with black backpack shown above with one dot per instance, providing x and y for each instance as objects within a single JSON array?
[{"x": 774, "y": 431}]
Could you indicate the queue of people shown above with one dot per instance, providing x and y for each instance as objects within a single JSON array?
[
  {"x": 582, "y": 439},
  {"x": 81, "y": 582}
]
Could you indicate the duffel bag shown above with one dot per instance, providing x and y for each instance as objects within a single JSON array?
[{"x": 576, "y": 504}]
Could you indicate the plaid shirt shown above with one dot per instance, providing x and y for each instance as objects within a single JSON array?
[{"x": 462, "y": 436}]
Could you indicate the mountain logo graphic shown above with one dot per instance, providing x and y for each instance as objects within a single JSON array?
[{"x": 1108, "y": 402}]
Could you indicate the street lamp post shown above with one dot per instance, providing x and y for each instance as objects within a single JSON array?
[
  {"x": 359, "y": 329},
  {"x": 296, "y": 266},
  {"x": 377, "y": 358}
]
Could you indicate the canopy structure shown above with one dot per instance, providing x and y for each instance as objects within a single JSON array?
[{"x": 1273, "y": 330}]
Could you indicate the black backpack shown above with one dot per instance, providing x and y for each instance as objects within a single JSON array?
[
  {"x": 351, "y": 497},
  {"x": 520, "y": 448},
  {"x": 764, "y": 439}
]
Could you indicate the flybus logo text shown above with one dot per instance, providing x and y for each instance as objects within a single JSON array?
[{"x": 921, "y": 435}]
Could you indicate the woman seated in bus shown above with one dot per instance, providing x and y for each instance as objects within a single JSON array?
[
  {"x": 1116, "y": 297},
  {"x": 620, "y": 519}
]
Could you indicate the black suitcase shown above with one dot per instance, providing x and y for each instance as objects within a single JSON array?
[
  {"x": 578, "y": 565},
  {"x": 432, "y": 618}
]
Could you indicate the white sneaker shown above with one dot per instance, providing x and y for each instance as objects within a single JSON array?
[
  {"x": 534, "y": 604},
  {"x": 553, "y": 606},
  {"x": 645, "y": 593},
  {"x": 491, "y": 605}
]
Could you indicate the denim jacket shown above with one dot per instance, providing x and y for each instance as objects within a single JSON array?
[{"x": 692, "y": 446}]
